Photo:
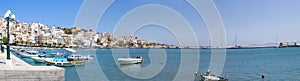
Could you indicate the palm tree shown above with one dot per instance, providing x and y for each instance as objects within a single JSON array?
[
  {"x": 46, "y": 43},
  {"x": 64, "y": 45},
  {"x": 49, "y": 44},
  {"x": 39, "y": 43},
  {"x": 42, "y": 44},
  {"x": 30, "y": 43},
  {"x": 22, "y": 42},
  {"x": 17, "y": 42},
  {"x": 27, "y": 43},
  {"x": 54, "y": 44}
]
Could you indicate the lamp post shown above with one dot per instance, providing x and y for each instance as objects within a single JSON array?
[
  {"x": 6, "y": 16},
  {"x": 2, "y": 48}
]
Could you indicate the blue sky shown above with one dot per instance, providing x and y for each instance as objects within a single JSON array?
[{"x": 254, "y": 21}]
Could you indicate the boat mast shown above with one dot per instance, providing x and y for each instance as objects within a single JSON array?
[
  {"x": 277, "y": 45},
  {"x": 277, "y": 40},
  {"x": 235, "y": 41}
]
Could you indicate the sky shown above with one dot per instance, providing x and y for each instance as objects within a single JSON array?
[{"x": 252, "y": 21}]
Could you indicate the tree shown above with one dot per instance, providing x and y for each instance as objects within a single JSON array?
[
  {"x": 98, "y": 41},
  {"x": 22, "y": 42},
  {"x": 49, "y": 44},
  {"x": 39, "y": 43},
  {"x": 83, "y": 30},
  {"x": 45, "y": 43},
  {"x": 26, "y": 43},
  {"x": 54, "y": 44},
  {"x": 67, "y": 30},
  {"x": 109, "y": 39},
  {"x": 42, "y": 44},
  {"x": 4, "y": 40},
  {"x": 30, "y": 43},
  {"x": 59, "y": 44},
  {"x": 17, "y": 42},
  {"x": 64, "y": 45}
]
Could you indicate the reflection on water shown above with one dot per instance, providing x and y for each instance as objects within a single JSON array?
[{"x": 130, "y": 67}]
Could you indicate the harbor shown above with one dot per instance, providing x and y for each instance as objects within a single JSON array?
[
  {"x": 235, "y": 59},
  {"x": 149, "y": 40},
  {"x": 16, "y": 69},
  {"x": 64, "y": 58}
]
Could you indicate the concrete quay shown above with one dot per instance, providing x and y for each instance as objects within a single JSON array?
[{"x": 16, "y": 69}]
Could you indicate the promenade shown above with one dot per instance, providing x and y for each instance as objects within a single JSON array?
[{"x": 18, "y": 70}]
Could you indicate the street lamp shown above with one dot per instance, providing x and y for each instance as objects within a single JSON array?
[
  {"x": 2, "y": 48},
  {"x": 6, "y": 16}
]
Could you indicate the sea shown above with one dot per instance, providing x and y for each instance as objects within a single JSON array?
[{"x": 278, "y": 64}]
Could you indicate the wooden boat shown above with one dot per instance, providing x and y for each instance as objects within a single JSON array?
[{"x": 63, "y": 62}]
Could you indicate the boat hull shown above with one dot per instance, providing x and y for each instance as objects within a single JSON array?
[
  {"x": 28, "y": 55},
  {"x": 79, "y": 57},
  {"x": 40, "y": 59},
  {"x": 212, "y": 78},
  {"x": 65, "y": 64},
  {"x": 129, "y": 60}
]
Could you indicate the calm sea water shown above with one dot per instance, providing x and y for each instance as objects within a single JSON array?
[{"x": 278, "y": 64}]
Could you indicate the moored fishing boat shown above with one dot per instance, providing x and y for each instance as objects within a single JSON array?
[
  {"x": 40, "y": 59},
  {"x": 70, "y": 50},
  {"x": 79, "y": 57},
  {"x": 130, "y": 60},
  {"x": 56, "y": 54},
  {"x": 63, "y": 62},
  {"x": 208, "y": 77},
  {"x": 29, "y": 54}
]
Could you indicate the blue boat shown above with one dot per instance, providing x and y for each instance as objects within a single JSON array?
[{"x": 63, "y": 62}]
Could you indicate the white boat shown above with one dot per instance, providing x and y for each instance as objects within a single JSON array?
[
  {"x": 41, "y": 59},
  {"x": 71, "y": 50},
  {"x": 130, "y": 60},
  {"x": 32, "y": 52},
  {"x": 29, "y": 54},
  {"x": 25, "y": 55},
  {"x": 208, "y": 77},
  {"x": 79, "y": 57},
  {"x": 55, "y": 54},
  {"x": 63, "y": 62}
]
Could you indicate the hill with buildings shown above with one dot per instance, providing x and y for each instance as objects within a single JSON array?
[{"x": 38, "y": 34}]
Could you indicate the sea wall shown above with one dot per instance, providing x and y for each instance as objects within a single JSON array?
[{"x": 36, "y": 73}]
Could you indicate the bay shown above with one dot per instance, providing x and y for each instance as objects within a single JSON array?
[{"x": 278, "y": 64}]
